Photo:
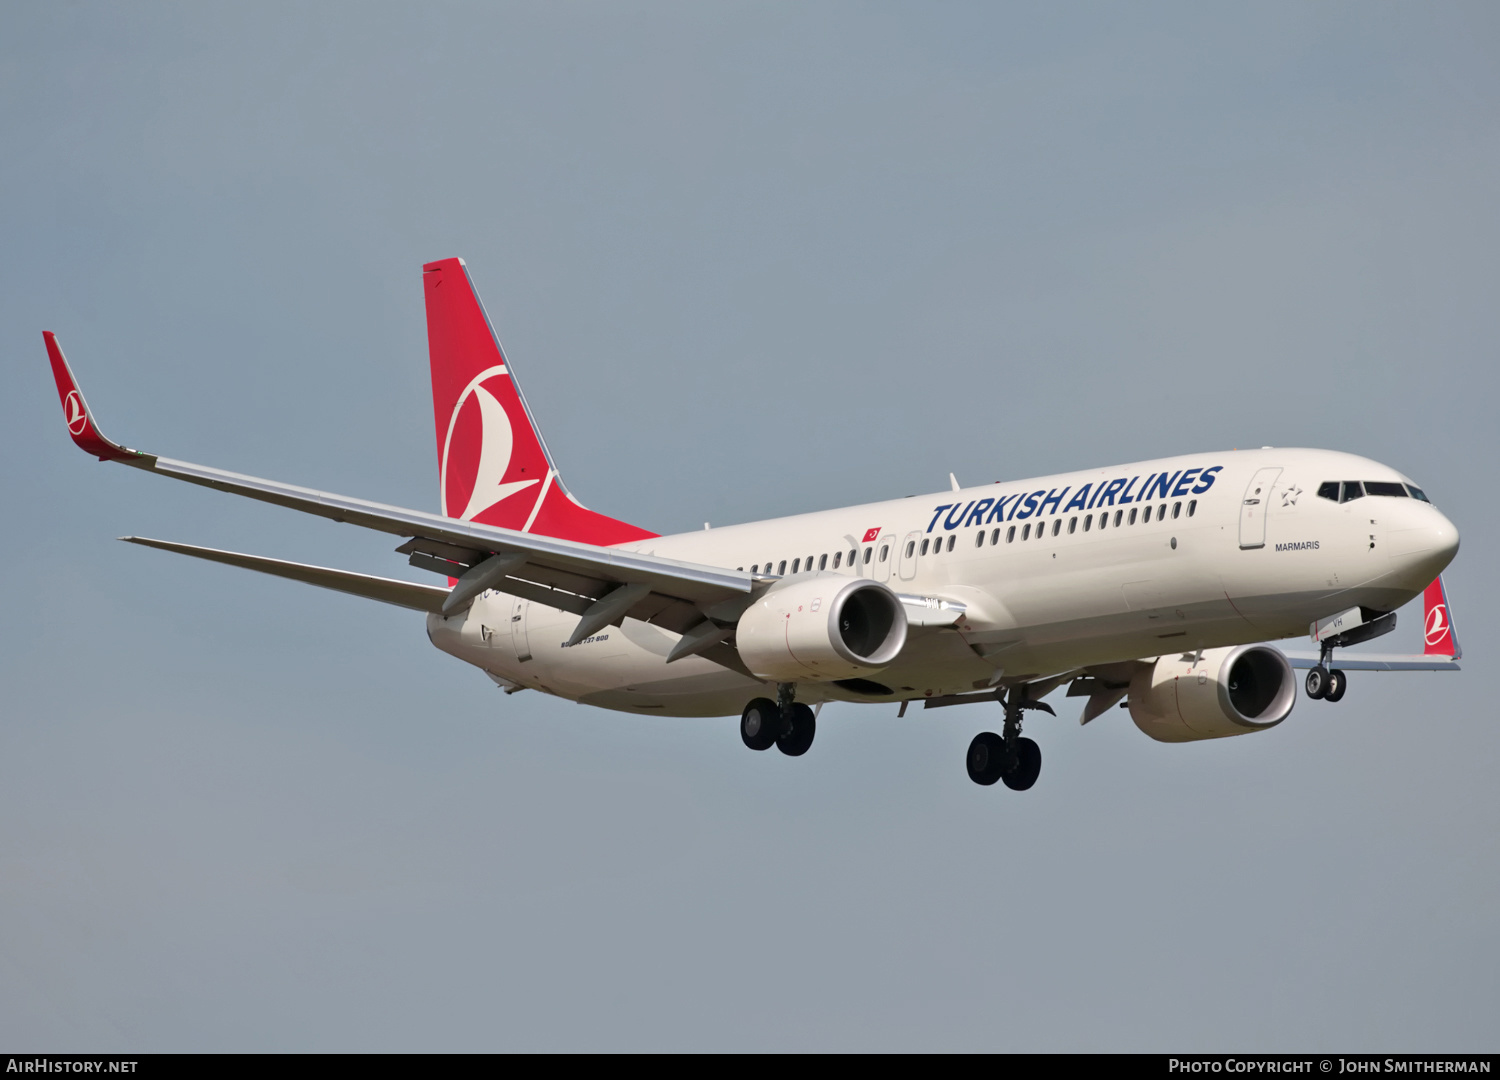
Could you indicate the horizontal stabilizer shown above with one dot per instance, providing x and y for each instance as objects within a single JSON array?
[{"x": 387, "y": 590}]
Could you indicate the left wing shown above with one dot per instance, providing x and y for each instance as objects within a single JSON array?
[{"x": 600, "y": 584}]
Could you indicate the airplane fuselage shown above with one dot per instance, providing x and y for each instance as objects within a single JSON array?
[{"x": 1054, "y": 574}]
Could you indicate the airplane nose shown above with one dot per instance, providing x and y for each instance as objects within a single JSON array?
[
  {"x": 1446, "y": 540},
  {"x": 1424, "y": 548}
]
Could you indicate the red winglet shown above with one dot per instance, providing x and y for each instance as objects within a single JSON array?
[
  {"x": 76, "y": 411},
  {"x": 1437, "y": 623}
]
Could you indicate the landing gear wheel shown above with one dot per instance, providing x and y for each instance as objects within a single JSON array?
[
  {"x": 1337, "y": 684},
  {"x": 1028, "y": 765},
  {"x": 1317, "y": 682},
  {"x": 760, "y": 723},
  {"x": 986, "y": 758},
  {"x": 799, "y": 733}
]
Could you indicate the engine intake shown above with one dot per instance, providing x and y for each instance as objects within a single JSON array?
[
  {"x": 823, "y": 627},
  {"x": 1229, "y": 691}
]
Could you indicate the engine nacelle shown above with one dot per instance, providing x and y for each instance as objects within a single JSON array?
[
  {"x": 823, "y": 627},
  {"x": 1229, "y": 691}
]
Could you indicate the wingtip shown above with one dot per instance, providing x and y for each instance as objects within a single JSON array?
[{"x": 79, "y": 419}]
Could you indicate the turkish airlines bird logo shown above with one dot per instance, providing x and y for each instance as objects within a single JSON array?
[
  {"x": 871, "y": 535},
  {"x": 496, "y": 447},
  {"x": 1437, "y": 624},
  {"x": 78, "y": 419}
]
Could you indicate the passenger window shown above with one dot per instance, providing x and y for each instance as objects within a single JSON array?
[
  {"x": 1057, "y": 526},
  {"x": 1104, "y": 519},
  {"x": 1161, "y": 512},
  {"x": 868, "y": 552},
  {"x": 1418, "y": 493},
  {"x": 1176, "y": 510},
  {"x": 924, "y": 546},
  {"x": 1010, "y": 534},
  {"x": 796, "y": 563},
  {"x": 1132, "y": 516},
  {"x": 1384, "y": 487},
  {"x": 951, "y": 539},
  {"x": 911, "y": 546},
  {"x": 885, "y": 549},
  {"x": 1118, "y": 515},
  {"x": 994, "y": 538},
  {"x": 822, "y": 562},
  {"x": 1192, "y": 507},
  {"x": 979, "y": 539},
  {"x": 852, "y": 553},
  {"x": 1087, "y": 521},
  {"x": 782, "y": 570},
  {"x": 838, "y": 557},
  {"x": 1026, "y": 532},
  {"x": 755, "y": 568},
  {"x": 1072, "y": 526},
  {"x": 1329, "y": 490},
  {"x": 1352, "y": 491}
]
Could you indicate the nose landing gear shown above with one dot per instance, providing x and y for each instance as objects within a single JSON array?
[
  {"x": 1323, "y": 684},
  {"x": 1009, "y": 758}
]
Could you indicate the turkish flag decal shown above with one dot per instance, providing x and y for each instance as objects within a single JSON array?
[{"x": 871, "y": 535}]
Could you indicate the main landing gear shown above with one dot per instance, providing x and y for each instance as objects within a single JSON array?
[
  {"x": 788, "y": 724},
  {"x": 1009, "y": 758}
]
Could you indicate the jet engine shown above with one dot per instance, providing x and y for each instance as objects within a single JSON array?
[
  {"x": 1212, "y": 694},
  {"x": 823, "y": 627}
]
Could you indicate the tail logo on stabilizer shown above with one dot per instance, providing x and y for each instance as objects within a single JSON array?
[
  {"x": 496, "y": 443},
  {"x": 77, "y": 418},
  {"x": 1437, "y": 624}
]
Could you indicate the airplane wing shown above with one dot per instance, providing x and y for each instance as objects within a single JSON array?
[
  {"x": 1441, "y": 652},
  {"x": 600, "y": 584},
  {"x": 1375, "y": 662}
]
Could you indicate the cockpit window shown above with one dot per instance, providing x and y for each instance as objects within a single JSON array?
[
  {"x": 1384, "y": 487},
  {"x": 1329, "y": 490},
  {"x": 1352, "y": 490},
  {"x": 1418, "y": 493}
]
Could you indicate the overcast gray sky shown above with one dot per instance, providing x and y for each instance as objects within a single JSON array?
[{"x": 748, "y": 260}]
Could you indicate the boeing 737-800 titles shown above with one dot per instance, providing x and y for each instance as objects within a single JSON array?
[{"x": 1152, "y": 584}]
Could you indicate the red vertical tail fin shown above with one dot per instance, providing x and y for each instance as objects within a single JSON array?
[
  {"x": 493, "y": 467},
  {"x": 1437, "y": 622}
]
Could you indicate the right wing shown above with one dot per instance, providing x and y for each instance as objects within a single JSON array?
[{"x": 602, "y": 585}]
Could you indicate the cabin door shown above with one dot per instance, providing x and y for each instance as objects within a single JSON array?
[{"x": 1254, "y": 506}]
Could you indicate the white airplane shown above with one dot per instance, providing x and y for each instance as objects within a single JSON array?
[{"x": 1150, "y": 585}]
